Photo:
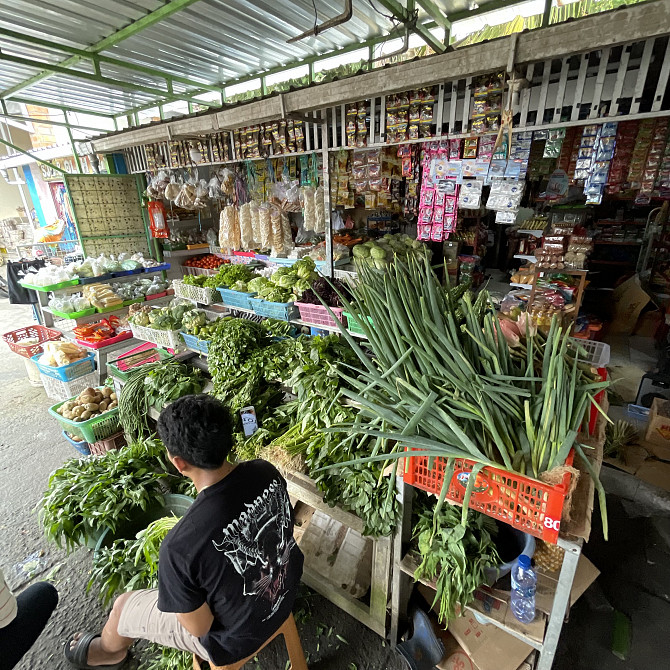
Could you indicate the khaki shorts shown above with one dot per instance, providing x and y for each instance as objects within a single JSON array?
[{"x": 141, "y": 618}]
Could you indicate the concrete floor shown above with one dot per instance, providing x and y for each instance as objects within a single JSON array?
[{"x": 634, "y": 563}]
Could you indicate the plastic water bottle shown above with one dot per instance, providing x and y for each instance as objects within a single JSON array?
[{"x": 524, "y": 582}]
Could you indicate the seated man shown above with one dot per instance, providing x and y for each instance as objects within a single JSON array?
[{"x": 228, "y": 571}]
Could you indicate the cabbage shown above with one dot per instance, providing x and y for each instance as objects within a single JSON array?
[
  {"x": 378, "y": 253},
  {"x": 285, "y": 281},
  {"x": 300, "y": 286},
  {"x": 278, "y": 295},
  {"x": 240, "y": 286},
  {"x": 131, "y": 265},
  {"x": 279, "y": 272},
  {"x": 361, "y": 251},
  {"x": 258, "y": 284}
]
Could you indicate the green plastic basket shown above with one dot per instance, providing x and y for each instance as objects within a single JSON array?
[
  {"x": 74, "y": 315},
  {"x": 52, "y": 287},
  {"x": 353, "y": 325},
  {"x": 151, "y": 356},
  {"x": 97, "y": 428}
]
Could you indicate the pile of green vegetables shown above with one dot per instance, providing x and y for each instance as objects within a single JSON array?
[
  {"x": 160, "y": 318},
  {"x": 443, "y": 379},
  {"x": 250, "y": 368},
  {"x": 232, "y": 276},
  {"x": 85, "y": 495},
  {"x": 286, "y": 283},
  {"x": 155, "y": 385},
  {"x": 453, "y": 554},
  {"x": 196, "y": 323},
  {"x": 381, "y": 253},
  {"x": 133, "y": 564}
]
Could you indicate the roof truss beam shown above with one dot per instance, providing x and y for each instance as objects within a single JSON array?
[
  {"x": 409, "y": 19},
  {"x": 133, "y": 28},
  {"x": 96, "y": 59},
  {"x": 62, "y": 108},
  {"x": 435, "y": 13},
  {"x": 49, "y": 122},
  {"x": 99, "y": 79}
]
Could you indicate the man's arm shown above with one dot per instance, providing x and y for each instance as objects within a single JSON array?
[{"x": 198, "y": 622}]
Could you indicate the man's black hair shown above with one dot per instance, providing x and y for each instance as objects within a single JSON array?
[{"x": 197, "y": 428}]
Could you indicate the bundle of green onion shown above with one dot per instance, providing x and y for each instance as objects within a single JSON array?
[{"x": 444, "y": 380}]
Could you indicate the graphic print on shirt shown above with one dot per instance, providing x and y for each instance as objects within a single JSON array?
[{"x": 259, "y": 543}]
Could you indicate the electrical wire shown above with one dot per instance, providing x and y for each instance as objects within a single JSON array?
[{"x": 316, "y": 16}]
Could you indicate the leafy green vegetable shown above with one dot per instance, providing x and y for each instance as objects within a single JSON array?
[
  {"x": 454, "y": 554},
  {"x": 86, "y": 495}
]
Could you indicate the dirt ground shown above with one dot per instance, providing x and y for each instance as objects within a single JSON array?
[{"x": 31, "y": 447}]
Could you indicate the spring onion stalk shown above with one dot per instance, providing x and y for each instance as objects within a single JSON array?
[{"x": 444, "y": 380}]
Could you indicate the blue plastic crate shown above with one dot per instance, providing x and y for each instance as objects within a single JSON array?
[
  {"x": 282, "y": 311},
  {"x": 192, "y": 342},
  {"x": 95, "y": 280},
  {"x": 123, "y": 273},
  {"x": 66, "y": 373},
  {"x": 81, "y": 447},
  {"x": 236, "y": 298}
]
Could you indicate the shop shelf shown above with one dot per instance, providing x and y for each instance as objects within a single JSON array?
[
  {"x": 52, "y": 287},
  {"x": 202, "y": 294},
  {"x": 112, "y": 308},
  {"x": 67, "y": 373},
  {"x": 81, "y": 447},
  {"x": 74, "y": 315},
  {"x": 42, "y": 334},
  {"x": 125, "y": 335},
  {"x": 163, "y": 267},
  {"x": 318, "y": 315},
  {"x": 522, "y": 502},
  {"x": 94, "y": 429},
  {"x": 95, "y": 280},
  {"x": 236, "y": 298},
  {"x": 125, "y": 273},
  {"x": 61, "y": 391},
  {"x": 192, "y": 342},
  {"x": 169, "y": 339},
  {"x": 203, "y": 245},
  {"x": 282, "y": 311}
]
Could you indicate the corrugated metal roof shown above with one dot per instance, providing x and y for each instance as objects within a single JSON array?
[{"x": 209, "y": 41}]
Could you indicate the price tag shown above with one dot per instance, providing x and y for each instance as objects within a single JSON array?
[{"x": 249, "y": 420}]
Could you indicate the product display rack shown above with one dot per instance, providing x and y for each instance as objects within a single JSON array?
[{"x": 542, "y": 635}]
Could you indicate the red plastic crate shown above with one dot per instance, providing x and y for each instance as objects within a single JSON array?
[
  {"x": 124, "y": 335},
  {"x": 43, "y": 334},
  {"x": 525, "y": 503},
  {"x": 101, "y": 447},
  {"x": 318, "y": 315}
]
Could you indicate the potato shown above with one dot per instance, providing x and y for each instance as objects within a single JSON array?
[
  {"x": 67, "y": 414},
  {"x": 91, "y": 406},
  {"x": 106, "y": 391},
  {"x": 84, "y": 400},
  {"x": 89, "y": 391},
  {"x": 113, "y": 397},
  {"x": 103, "y": 405},
  {"x": 77, "y": 419},
  {"x": 112, "y": 405},
  {"x": 68, "y": 405},
  {"x": 86, "y": 415},
  {"x": 78, "y": 411}
]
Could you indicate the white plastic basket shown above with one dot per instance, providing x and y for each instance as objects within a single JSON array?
[
  {"x": 59, "y": 390},
  {"x": 168, "y": 339},
  {"x": 597, "y": 353},
  {"x": 202, "y": 294},
  {"x": 198, "y": 271}
]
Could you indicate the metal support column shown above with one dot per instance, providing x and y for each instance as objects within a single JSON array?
[
  {"x": 325, "y": 184},
  {"x": 74, "y": 149}
]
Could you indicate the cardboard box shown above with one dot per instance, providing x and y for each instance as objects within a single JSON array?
[
  {"x": 656, "y": 473},
  {"x": 628, "y": 300},
  {"x": 658, "y": 425},
  {"x": 632, "y": 458}
]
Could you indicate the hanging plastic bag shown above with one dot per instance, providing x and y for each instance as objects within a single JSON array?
[
  {"x": 308, "y": 208},
  {"x": 319, "y": 211},
  {"x": 287, "y": 233},
  {"x": 255, "y": 223},
  {"x": 172, "y": 189},
  {"x": 227, "y": 178},
  {"x": 265, "y": 226},
  {"x": 246, "y": 231},
  {"x": 226, "y": 223},
  {"x": 277, "y": 234},
  {"x": 214, "y": 188}
]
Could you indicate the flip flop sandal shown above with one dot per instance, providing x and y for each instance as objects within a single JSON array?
[
  {"x": 78, "y": 655},
  {"x": 423, "y": 650}
]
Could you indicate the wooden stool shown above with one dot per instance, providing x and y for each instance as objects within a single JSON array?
[{"x": 293, "y": 646}]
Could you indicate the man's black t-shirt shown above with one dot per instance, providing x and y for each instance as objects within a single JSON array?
[{"x": 234, "y": 550}]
